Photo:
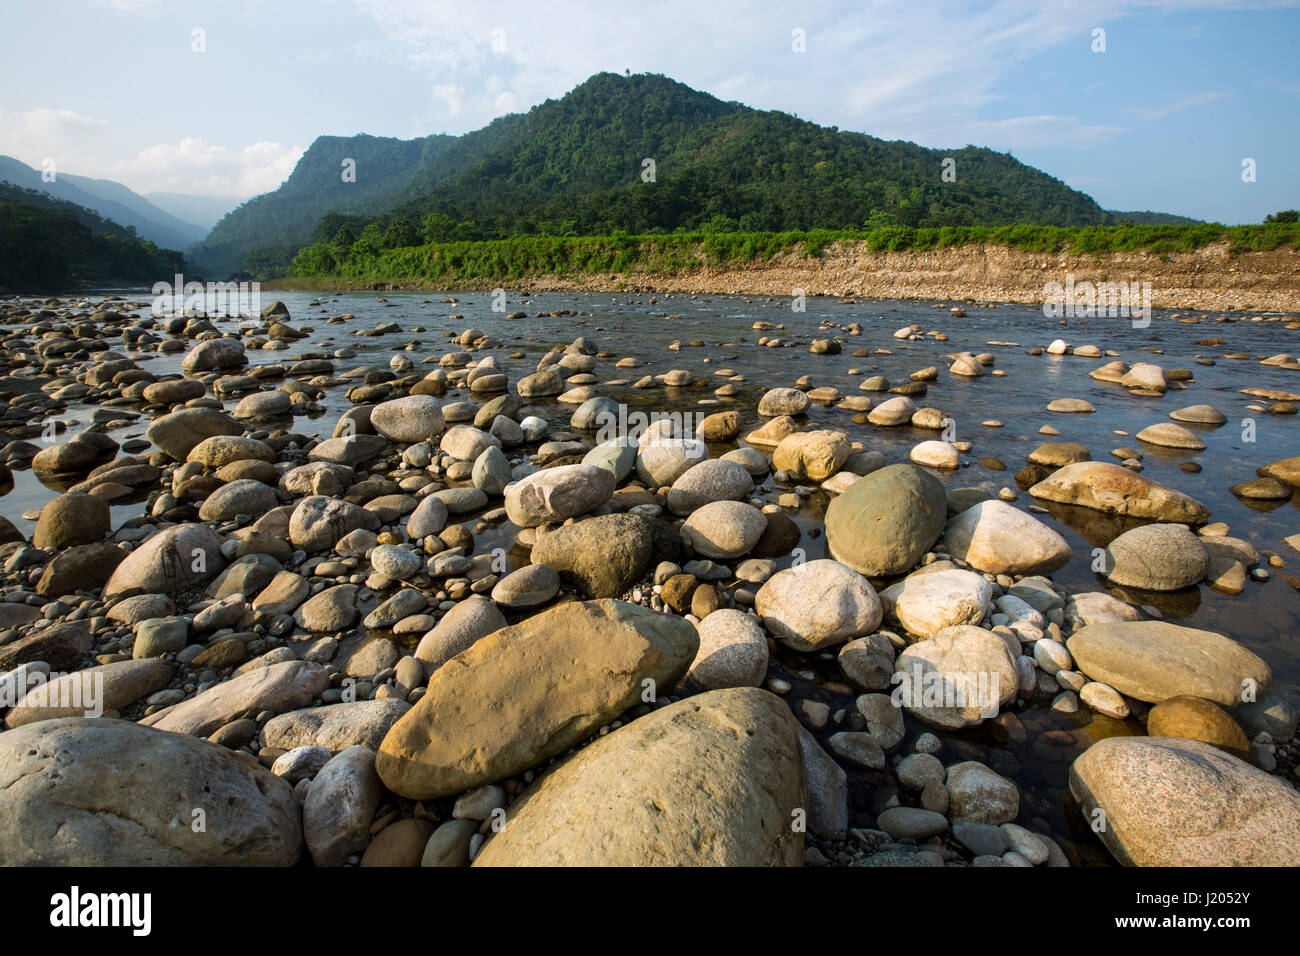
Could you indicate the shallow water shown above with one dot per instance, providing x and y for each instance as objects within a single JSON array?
[{"x": 1263, "y": 618}]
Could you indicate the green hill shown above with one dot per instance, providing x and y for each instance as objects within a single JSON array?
[
  {"x": 575, "y": 166},
  {"x": 49, "y": 244}
]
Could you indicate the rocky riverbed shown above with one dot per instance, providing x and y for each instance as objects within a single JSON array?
[{"x": 595, "y": 583}]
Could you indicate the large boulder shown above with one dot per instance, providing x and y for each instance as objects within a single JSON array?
[
  {"x": 714, "y": 480},
  {"x": 340, "y": 805},
  {"x": 242, "y": 497},
  {"x": 714, "y": 780},
  {"x": 996, "y": 538},
  {"x": 1115, "y": 490},
  {"x": 817, "y": 605},
  {"x": 1157, "y": 557},
  {"x": 335, "y": 727},
  {"x": 91, "y": 692},
  {"x": 958, "y": 678},
  {"x": 1165, "y": 801},
  {"x": 473, "y": 618},
  {"x": 213, "y": 354},
  {"x": 317, "y": 523},
  {"x": 887, "y": 520},
  {"x": 168, "y": 562},
  {"x": 72, "y": 519},
  {"x": 723, "y": 530},
  {"x": 926, "y": 601},
  {"x": 414, "y": 418},
  {"x": 531, "y": 691},
  {"x": 812, "y": 456},
  {"x": 554, "y": 494},
  {"x": 102, "y": 792},
  {"x": 605, "y": 554},
  {"x": 178, "y": 433},
  {"x": 1154, "y": 660}
]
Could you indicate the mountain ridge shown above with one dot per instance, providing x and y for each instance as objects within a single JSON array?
[{"x": 640, "y": 154}]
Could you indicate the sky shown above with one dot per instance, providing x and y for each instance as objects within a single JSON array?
[{"x": 1142, "y": 104}]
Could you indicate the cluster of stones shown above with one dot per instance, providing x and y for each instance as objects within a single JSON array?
[{"x": 308, "y": 640}]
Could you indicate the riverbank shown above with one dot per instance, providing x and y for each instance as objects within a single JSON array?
[{"x": 1209, "y": 278}]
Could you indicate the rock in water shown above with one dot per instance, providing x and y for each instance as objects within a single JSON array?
[
  {"x": 531, "y": 691},
  {"x": 886, "y": 521},
  {"x": 713, "y": 780},
  {"x": 958, "y": 678},
  {"x": 1174, "y": 802},
  {"x": 1114, "y": 489},
  {"x": 1153, "y": 660},
  {"x": 995, "y": 537},
  {"x": 103, "y": 792},
  {"x": 1157, "y": 557}
]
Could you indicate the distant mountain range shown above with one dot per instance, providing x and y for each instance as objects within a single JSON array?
[
  {"x": 110, "y": 200},
  {"x": 202, "y": 211},
  {"x": 578, "y": 165}
]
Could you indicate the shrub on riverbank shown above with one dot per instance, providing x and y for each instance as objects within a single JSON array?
[{"x": 569, "y": 255}]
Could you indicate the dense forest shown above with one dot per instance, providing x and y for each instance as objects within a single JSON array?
[
  {"x": 639, "y": 154},
  {"x": 49, "y": 244}
]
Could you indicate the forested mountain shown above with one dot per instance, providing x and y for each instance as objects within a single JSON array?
[
  {"x": 49, "y": 244},
  {"x": 107, "y": 199},
  {"x": 577, "y": 165},
  {"x": 383, "y": 168}
]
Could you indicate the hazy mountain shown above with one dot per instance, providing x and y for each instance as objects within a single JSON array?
[
  {"x": 203, "y": 212},
  {"x": 108, "y": 199},
  {"x": 577, "y": 165}
]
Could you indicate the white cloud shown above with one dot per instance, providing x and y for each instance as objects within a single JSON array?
[
  {"x": 899, "y": 70},
  {"x": 85, "y": 146}
]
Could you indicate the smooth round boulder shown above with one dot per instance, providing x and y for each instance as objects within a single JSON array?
[
  {"x": 1174, "y": 802},
  {"x": 414, "y": 418},
  {"x": 997, "y": 538},
  {"x": 886, "y": 520},
  {"x": 103, "y": 792},
  {"x": 818, "y": 604},
  {"x": 783, "y": 401},
  {"x": 1157, "y": 557},
  {"x": 733, "y": 652},
  {"x": 724, "y": 529},
  {"x": 554, "y": 494},
  {"x": 714, "y": 480},
  {"x": 70, "y": 520}
]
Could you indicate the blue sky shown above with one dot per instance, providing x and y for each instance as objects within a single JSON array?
[{"x": 1184, "y": 92}]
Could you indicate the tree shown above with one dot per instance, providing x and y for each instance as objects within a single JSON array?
[
  {"x": 1286, "y": 215},
  {"x": 400, "y": 233}
]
